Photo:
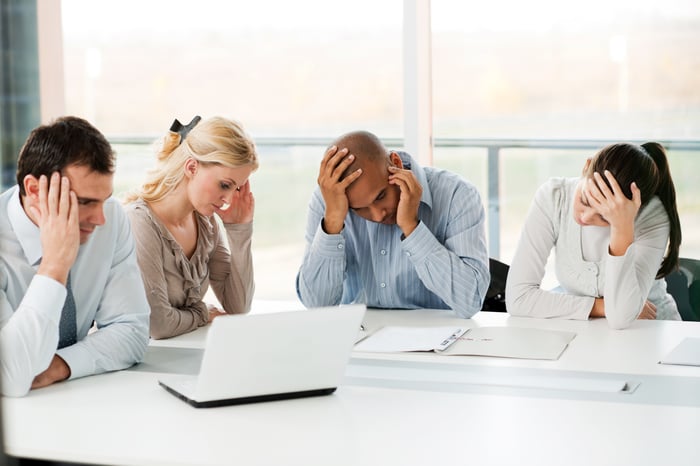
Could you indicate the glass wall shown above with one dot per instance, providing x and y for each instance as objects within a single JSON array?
[
  {"x": 304, "y": 68},
  {"x": 545, "y": 69},
  {"x": 503, "y": 70},
  {"x": 282, "y": 188},
  {"x": 284, "y": 69},
  {"x": 598, "y": 70}
]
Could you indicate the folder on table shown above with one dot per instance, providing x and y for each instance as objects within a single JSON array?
[
  {"x": 504, "y": 342},
  {"x": 687, "y": 353}
]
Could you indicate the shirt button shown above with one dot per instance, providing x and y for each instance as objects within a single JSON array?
[
  {"x": 340, "y": 246},
  {"x": 383, "y": 252},
  {"x": 408, "y": 254},
  {"x": 383, "y": 285}
]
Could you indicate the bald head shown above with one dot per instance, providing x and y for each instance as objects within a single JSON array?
[{"x": 365, "y": 146}]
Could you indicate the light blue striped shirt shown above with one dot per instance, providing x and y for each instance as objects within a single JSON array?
[{"x": 443, "y": 264}]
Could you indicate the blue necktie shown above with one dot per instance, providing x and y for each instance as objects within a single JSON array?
[{"x": 68, "y": 328}]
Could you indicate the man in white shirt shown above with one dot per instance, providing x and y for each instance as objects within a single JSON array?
[{"x": 67, "y": 262}]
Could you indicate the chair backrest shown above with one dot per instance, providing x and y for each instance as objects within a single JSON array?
[
  {"x": 684, "y": 285},
  {"x": 496, "y": 294}
]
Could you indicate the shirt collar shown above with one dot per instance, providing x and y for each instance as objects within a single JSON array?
[
  {"x": 28, "y": 234},
  {"x": 410, "y": 164}
]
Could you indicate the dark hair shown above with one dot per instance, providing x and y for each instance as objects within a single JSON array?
[
  {"x": 67, "y": 141},
  {"x": 647, "y": 166}
]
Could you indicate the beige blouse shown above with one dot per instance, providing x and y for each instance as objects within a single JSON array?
[{"x": 176, "y": 285}]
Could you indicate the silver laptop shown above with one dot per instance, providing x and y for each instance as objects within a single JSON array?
[{"x": 265, "y": 357}]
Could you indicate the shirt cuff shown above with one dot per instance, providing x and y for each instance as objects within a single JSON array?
[
  {"x": 420, "y": 243},
  {"x": 51, "y": 291},
  {"x": 584, "y": 313},
  {"x": 615, "y": 265},
  {"x": 42, "y": 297},
  {"x": 239, "y": 229},
  {"x": 328, "y": 245},
  {"x": 79, "y": 359}
]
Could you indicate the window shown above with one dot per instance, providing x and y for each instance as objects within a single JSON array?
[
  {"x": 299, "y": 70},
  {"x": 508, "y": 79},
  {"x": 549, "y": 70}
]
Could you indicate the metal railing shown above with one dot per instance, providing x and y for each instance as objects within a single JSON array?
[{"x": 493, "y": 148}]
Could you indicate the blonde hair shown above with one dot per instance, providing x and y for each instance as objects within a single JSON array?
[{"x": 215, "y": 140}]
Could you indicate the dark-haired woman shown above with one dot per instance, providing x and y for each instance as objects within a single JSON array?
[{"x": 616, "y": 234}]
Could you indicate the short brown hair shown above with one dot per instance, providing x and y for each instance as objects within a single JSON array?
[{"x": 66, "y": 141}]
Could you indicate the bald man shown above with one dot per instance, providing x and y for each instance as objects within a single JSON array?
[{"x": 388, "y": 233}]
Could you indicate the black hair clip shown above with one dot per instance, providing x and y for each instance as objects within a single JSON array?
[{"x": 183, "y": 130}]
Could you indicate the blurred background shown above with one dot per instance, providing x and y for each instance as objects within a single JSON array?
[{"x": 517, "y": 91}]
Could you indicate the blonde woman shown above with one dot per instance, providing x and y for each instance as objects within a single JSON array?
[{"x": 202, "y": 172}]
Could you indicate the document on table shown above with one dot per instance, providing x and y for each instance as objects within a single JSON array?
[
  {"x": 505, "y": 342},
  {"x": 512, "y": 342},
  {"x": 396, "y": 339},
  {"x": 687, "y": 353}
]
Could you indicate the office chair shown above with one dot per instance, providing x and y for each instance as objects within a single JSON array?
[
  {"x": 495, "y": 300},
  {"x": 684, "y": 285}
]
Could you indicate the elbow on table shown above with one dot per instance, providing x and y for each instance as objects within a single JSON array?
[
  {"x": 244, "y": 308},
  {"x": 14, "y": 389},
  {"x": 516, "y": 304},
  {"x": 309, "y": 298},
  {"x": 467, "y": 306},
  {"x": 160, "y": 333},
  {"x": 298, "y": 284},
  {"x": 159, "y": 329},
  {"x": 248, "y": 304},
  {"x": 616, "y": 322},
  {"x": 305, "y": 298},
  {"x": 312, "y": 302},
  {"x": 467, "y": 312},
  {"x": 141, "y": 344}
]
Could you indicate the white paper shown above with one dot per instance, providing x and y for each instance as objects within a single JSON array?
[
  {"x": 394, "y": 339},
  {"x": 687, "y": 353},
  {"x": 512, "y": 342}
]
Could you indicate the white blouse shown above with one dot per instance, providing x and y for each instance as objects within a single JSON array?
[{"x": 625, "y": 281}]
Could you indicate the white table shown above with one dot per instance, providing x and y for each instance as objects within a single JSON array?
[
  {"x": 595, "y": 348},
  {"x": 126, "y": 418}
]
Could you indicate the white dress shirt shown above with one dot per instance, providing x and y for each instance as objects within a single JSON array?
[
  {"x": 584, "y": 267},
  {"x": 107, "y": 288}
]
